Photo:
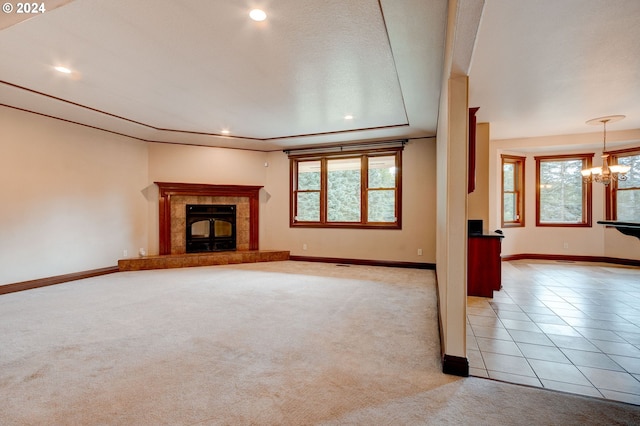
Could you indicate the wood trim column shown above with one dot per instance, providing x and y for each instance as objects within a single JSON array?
[
  {"x": 164, "y": 204},
  {"x": 168, "y": 189},
  {"x": 254, "y": 220}
]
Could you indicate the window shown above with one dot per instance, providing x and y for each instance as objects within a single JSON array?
[
  {"x": 347, "y": 189},
  {"x": 344, "y": 183},
  {"x": 562, "y": 198},
  {"x": 308, "y": 191},
  {"x": 623, "y": 197},
  {"x": 512, "y": 191}
]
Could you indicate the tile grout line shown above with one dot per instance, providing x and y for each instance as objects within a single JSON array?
[{"x": 572, "y": 327}]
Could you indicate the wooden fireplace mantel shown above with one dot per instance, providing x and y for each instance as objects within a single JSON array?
[{"x": 169, "y": 189}]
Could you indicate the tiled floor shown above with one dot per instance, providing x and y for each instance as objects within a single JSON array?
[{"x": 573, "y": 327}]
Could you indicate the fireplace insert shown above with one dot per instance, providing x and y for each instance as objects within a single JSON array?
[{"x": 210, "y": 227}]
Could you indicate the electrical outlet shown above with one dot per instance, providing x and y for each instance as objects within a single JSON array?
[
  {"x": 565, "y": 245},
  {"x": 419, "y": 252},
  {"x": 125, "y": 253},
  {"x": 304, "y": 247}
]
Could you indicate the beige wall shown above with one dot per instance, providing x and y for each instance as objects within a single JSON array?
[
  {"x": 594, "y": 241},
  {"x": 76, "y": 198},
  {"x": 197, "y": 164},
  {"x": 452, "y": 210},
  {"x": 71, "y": 197},
  {"x": 451, "y": 264},
  {"x": 192, "y": 164},
  {"x": 418, "y": 216}
]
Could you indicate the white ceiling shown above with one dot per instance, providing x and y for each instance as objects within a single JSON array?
[
  {"x": 545, "y": 67},
  {"x": 181, "y": 71}
]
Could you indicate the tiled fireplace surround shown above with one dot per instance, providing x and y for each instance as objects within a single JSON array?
[
  {"x": 178, "y": 219},
  {"x": 172, "y": 212},
  {"x": 174, "y": 197}
]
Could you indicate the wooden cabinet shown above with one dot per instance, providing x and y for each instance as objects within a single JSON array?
[
  {"x": 471, "y": 172},
  {"x": 484, "y": 268}
]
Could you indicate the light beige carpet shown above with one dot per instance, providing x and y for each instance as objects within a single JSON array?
[{"x": 289, "y": 343}]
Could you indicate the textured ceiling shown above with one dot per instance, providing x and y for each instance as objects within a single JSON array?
[
  {"x": 545, "y": 67},
  {"x": 182, "y": 71}
]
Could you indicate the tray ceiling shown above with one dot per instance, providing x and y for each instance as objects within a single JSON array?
[{"x": 186, "y": 71}]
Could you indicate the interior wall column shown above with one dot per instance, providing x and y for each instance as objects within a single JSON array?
[{"x": 455, "y": 258}]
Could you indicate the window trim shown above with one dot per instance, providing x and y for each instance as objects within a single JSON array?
[
  {"x": 586, "y": 191},
  {"x": 519, "y": 189},
  {"x": 611, "y": 190},
  {"x": 294, "y": 159}
]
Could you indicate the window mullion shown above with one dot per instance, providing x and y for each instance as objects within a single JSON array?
[
  {"x": 364, "y": 189},
  {"x": 611, "y": 201},
  {"x": 397, "y": 193},
  {"x": 293, "y": 184},
  {"x": 323, "y": 190}
]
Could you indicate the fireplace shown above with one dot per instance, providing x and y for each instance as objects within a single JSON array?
[
  {"x": 172, "y": 201},
  {"x": 210, "y": 227}
]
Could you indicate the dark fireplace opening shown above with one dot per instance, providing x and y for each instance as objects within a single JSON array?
[{"x": 210, "y": 227}]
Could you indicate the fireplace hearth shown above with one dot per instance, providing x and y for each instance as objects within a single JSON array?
[{"x": 210, "y": 228}]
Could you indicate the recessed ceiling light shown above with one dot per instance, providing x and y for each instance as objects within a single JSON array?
[
  {"x": 348, "y": 117},
  {"x": 258, "y": 15},
  {"x": 62, "y": 69},
  {"x": 225, "y": 132}
]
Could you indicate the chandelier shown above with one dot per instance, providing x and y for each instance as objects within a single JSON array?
[{"x": 607, "y": 172}]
